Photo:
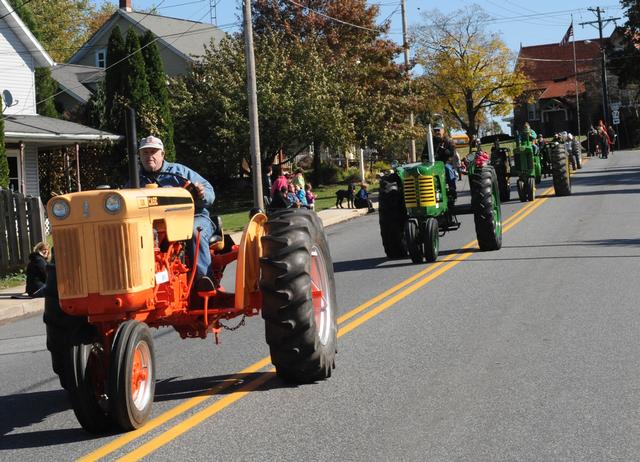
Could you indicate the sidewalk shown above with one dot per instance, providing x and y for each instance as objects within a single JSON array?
[{"x": 14, "y": 308}]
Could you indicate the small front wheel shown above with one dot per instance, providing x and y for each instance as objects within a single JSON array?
[
  {"x": 531, "y": 189},
  {"x": 414, "y": 243},
  {"x": 431, "y": 240},
  {"x": 132, "y": 375},
  {"x": 85, "y": 379}
]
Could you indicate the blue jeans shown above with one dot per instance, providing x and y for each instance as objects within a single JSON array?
[{"x": 204, "y": 257}]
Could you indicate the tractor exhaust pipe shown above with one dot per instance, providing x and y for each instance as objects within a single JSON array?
[
  {"x": 132, "y": 147},
  {"x": 432, "y": 157}
]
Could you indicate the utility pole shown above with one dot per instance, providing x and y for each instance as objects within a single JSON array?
[
  {"x": 252, "y": 94},
  {"x": 407, "y": 64},
  {"x": 605, "y": 89}
]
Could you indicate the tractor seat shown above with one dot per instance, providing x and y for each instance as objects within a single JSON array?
[{"x": 217, "y": 240}]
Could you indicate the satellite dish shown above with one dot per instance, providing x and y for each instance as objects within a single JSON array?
[{"x": 7, "y": 97}]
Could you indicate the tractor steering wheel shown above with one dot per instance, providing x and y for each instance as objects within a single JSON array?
[{"x": 187, "y": 184}]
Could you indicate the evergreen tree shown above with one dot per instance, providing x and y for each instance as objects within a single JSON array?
[
  {"x": 46, "y": 87},
  {"x": 136, "y": 88},
  {"x": 114, "y": 83},
  {"x": 157, "y": 81},
  {"x": 4, "y": 163}
]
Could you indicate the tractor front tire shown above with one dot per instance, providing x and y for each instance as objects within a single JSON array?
[
  {"x": 431, "y": 240},
  {"x": 85, "y": 370},
  {"x": 522, "y": 193},
  {"x": 414, "y": 243},
  {"x": 531, "y": 189},
  {"x": 485, "y": 202},
  {"x": 298, "y": 296},
  {"x": 132, "y": 375},
  {"x": 60, "y": 327},
  {"x": 560, "y": 170}
]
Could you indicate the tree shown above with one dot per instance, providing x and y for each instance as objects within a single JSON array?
[
  {"x": 623, "y": 62},
  {"x": 157, "y": 81},
  {"x": 467, "y": 71},
  {"x": 135, "y": 87},
  {"x": 114, "y": 83},
  {"x": 4, "y": 163},
  {"x": 375, "y": 93}
]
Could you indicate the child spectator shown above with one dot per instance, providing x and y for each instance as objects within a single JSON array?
[
  {"x": 37, "y": 270},
  {"x": 362, "y": 200},
  {"x": 302, "y": 197},
  {"x": 292, "y": 197},
  {"x": 280, "y": 200},
  {"x": 311, "y": 197}
]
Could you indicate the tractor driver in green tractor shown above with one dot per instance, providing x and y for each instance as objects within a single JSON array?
[
  {"x": 442, "y": 146},
  {"x": 528, "y": 134}
]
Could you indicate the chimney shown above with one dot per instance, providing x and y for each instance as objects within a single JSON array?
[{"x": 125, "y": 5}]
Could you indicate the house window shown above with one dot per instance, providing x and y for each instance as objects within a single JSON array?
[
  {"x": 101, "y": 58},
  {"x": 14, "y": 171},
  {"x": 533, "y": 111}
]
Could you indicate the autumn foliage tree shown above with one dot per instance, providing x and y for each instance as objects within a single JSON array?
[{"x": 467, "y": 71}]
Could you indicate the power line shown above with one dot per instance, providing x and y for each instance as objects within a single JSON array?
[
  {"x": 14, "y": 10},
  {"x": 332, "y": 18}
]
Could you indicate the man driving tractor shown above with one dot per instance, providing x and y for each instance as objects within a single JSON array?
[
  {"x": 442, "y": 146},
  {"x": 155, "y": 169}
]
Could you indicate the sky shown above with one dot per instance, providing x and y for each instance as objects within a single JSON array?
[
  {"x": 519, "y": 23},
  {"x": 547, "y": 20}
]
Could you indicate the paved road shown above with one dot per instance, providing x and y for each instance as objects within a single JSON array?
[{"x": 529, "y": 353}]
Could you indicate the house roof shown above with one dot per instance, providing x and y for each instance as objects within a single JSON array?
[
  {"x": 49, "y": 131},
  {"x": 184, "y": 37},
  {"x": 11, "y": 18},
  {"x": 562, "y": 89},
  {"x": 551, "y": 65},
  {"x": 73, "y": 79}
]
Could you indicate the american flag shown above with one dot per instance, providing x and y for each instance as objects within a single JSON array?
[{"x": 569, "y": 33}]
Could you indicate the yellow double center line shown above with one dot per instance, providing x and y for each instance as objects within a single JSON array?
[{"x": 401, "y": 290}]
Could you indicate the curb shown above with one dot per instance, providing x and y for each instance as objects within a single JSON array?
[{"x": 13, "y": 308}]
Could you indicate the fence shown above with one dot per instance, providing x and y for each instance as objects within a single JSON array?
[{"x": 21, "y": 228}]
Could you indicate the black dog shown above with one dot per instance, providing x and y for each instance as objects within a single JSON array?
[{"x": 342, "y": 194}]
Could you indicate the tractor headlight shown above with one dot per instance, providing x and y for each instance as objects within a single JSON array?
[
  {"x": 113, "y": 203},
  {"x": 60, "y": 209}
]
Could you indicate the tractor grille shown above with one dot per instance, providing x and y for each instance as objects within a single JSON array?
[
  {"x": 410, "y": 197},
  {"x": 119, "y": 257},
  {"x": 427, "y": 191},
  {"x": 424, "y": 195},
  {"x": 71, "y": 281}
]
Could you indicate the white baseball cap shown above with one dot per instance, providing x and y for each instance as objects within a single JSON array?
[{"x": 151, "y": 142}]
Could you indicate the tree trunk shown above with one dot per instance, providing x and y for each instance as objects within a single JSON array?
[{"x": 317, "y": 165}]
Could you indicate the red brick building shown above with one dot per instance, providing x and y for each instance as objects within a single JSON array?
[{"x": 549, "y": 104}]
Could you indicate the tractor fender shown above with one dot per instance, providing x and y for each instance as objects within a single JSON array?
[{"x": 248, "y": 264}]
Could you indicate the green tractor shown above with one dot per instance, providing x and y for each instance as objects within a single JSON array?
[
  {"x": 417, "y": 207},
  {"x": 527, "y": 166}
]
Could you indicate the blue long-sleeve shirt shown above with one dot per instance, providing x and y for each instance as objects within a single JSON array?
[{"x": 170, "y": 180}]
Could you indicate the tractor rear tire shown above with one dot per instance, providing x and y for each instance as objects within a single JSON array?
[
  {"x": 522, "y": 194},
  {"x": 391, "y": 215},
  {"x": 431, "y": 236},
  {"x": 132, "y": 375},
  {"x": 531, "y": 189},
  {"x": 60, "y": 327},
  {"x": 414, "y": 243},
  {"x": 301, "y": 329},
  {"x": 485, "y": 201},
  {"x": 84, "y": 368},
  {"x": 560, "y": 170},
  {"x": 504, "y": 182}
]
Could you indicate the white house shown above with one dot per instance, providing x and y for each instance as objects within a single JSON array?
[{"x": 26, "y": 132}]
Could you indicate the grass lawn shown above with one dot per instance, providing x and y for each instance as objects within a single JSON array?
[
  {"x": 13, "y": 280},
  {"x": 235, "y": 213}
]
